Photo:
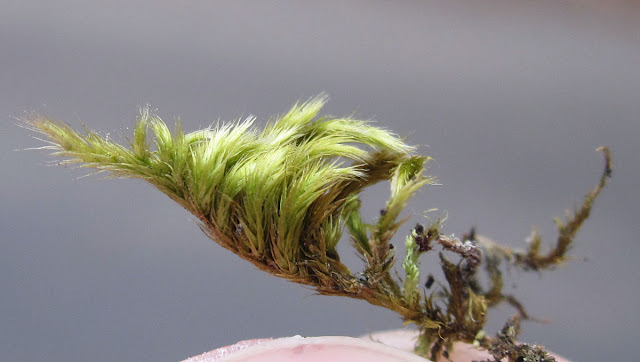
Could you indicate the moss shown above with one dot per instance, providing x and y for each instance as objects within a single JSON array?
[{"x": 282, "y": 197}]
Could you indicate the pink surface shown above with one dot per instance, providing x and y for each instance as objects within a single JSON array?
[
  {"x": 226, "y": 351},
  {"x": 308, "y": 350},
  {"x": 386, "y": 346}
]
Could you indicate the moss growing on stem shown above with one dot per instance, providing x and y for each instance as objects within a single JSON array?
[{"x": 281, "y": 198}]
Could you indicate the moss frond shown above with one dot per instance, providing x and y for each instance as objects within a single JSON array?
[
  {"x": 261, "y": 193},
  {"x": 281, "y": 198}
]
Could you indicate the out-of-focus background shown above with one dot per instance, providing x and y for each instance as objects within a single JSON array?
[{"x": 511, "y": 97}]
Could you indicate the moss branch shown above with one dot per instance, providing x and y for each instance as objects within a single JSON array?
[{"x": 281, "y": 198}]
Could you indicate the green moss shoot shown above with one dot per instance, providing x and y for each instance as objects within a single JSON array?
[{"x": 282, "y": 197}]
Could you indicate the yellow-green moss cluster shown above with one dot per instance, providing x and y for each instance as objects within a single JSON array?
[{"x": 282, "y": 197}]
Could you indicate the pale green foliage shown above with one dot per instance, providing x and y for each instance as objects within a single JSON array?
[
  {"x": 412, "y": 270},
  {"x": 282, "y": 197},
  {"x": 279, "y": 197}
]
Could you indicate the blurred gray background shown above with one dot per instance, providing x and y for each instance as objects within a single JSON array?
[{"x": 511, "y": 97}]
